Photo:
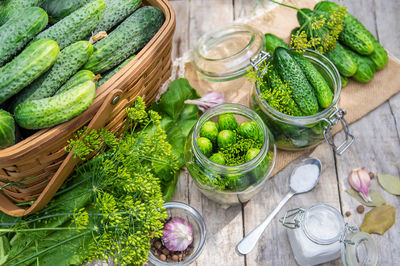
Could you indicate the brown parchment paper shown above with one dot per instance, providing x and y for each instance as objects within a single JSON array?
[{"x": 356, "y": 98}]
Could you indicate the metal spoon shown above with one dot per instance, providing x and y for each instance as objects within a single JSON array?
[{"x": 249, "y": 241}]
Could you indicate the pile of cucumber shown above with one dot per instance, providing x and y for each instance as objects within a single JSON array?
[
  {"x": 357, "y": 54},
  {"x": 47, "y": 70}
]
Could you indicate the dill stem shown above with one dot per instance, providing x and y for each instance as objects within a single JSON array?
[
  {"x": 37, "y": 229},
  {"x": 292, "y": 7}
]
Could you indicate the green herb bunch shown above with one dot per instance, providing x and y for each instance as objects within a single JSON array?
[
  {"x": 318, "y": 31},
  {"x": 274, "y": 91},
  {"x": 111, "y": 209},
  {"x": 235, "y": 154}
]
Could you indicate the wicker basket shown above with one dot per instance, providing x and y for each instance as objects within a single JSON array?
[{"x": 35, "y": 168}]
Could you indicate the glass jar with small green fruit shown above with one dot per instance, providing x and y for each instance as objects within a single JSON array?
[
  {"x": 230, "y": 154},
  {"x": 297, "y": 121}
]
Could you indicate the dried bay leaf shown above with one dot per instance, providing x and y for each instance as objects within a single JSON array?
[
  {"x": 390, "y": 183},
  {"x": 376, "y": 197},
  {"x": 379, "y": 219}
]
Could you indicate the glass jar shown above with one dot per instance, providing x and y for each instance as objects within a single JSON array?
[
  {"x": 241, "y": 182},
  {"x": 221, "y": 58},
  {"x": 319, "y": 234},
  {"x": 191, "y": 215},
  {"x": 302, "y": 132}
]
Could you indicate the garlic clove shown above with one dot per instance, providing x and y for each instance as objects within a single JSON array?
[{"x": 177, "y": 234}]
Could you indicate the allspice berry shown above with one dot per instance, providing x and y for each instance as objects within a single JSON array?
[
  {"x": 163, "y": 257},
  {"x": 175, "y": 257},
  {"x": 158, "y": 244},
  {"x": 371, "y": 175},
  {"x": 360, "y": 209},
  {"x": 165, "y": 251},
  {"x": 348, "y": 214}
]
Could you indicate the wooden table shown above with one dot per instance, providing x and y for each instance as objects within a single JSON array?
[{"x": 377, "y": 147}]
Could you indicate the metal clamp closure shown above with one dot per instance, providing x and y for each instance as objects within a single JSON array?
[
  {"x": 350, "y": 229},
  {"x": 332, "y": 120},
  {"x": 297, "y": 215},
  {"x": 259, "y": 59}
]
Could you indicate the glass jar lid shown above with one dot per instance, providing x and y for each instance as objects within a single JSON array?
[
  {"x": 359, "y": 248},
  {"x": 323, "y": 224},
  {"x": 224, "y": 53}
]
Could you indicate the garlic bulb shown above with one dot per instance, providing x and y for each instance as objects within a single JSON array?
[{"x": 177, "y": 234}]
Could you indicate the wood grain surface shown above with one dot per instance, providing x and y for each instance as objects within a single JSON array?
[{"x": 377, "y": 148}]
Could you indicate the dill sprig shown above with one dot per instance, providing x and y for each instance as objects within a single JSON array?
[
  {"x": 112, "y": 206},
  {"x": 319, "y": 31},
  {"x": 235, "y": 154},
  {"x": 278, "y": 94}
]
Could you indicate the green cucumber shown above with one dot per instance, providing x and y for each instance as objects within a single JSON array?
[
  {"x": 344, "y": 80},
  {"x": 76, "y": 26},
  {"x": 342, "y": 60},
  {"x": 10, "y": 8},
  {"x": 19, "y": 30},
  {"x": 80, "y": 77},
  {"x": 379, "y": 56},
  {"x": 365, "y": 67},
  {"x": 7, "y": 129},
  {"x": 68, "y": 62},
  {"x": 33, "y": 61},
  {"x": 130, "y": 36},
  {"x": 114, "y": 71},
  {"x": 54, "y": 110},
  {"x": 290, "y": 72},
  {"x": 116, "y": 11},
  {"x": 321, "y": 87},
  {"x": 354, "y": 34},
  {"x": 58, "y": 10},
  {"x": 272, "y": 41}
]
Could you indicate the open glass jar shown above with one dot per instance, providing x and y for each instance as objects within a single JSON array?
[
  {"x": 319, "y": 234},
  {"x": 229, "y": 185},
  {"x": 222, "y": 57},
  {"x": 301, "y": 132}
]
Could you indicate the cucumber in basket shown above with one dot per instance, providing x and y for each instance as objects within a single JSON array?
[
  {"x": 76, "y": 26},
  {"x": 80, "y": 77},
  {"x": 116, "y": 11},
  {"x": 10, "y": 8},
  {"x": 54, "y": 110},
  {"x": 114, "y": 71},
  {"x": 7, "y": 129},
  {"x": 68, "y": 62},
  {"x": 33, "y": 61},
  {"x": 58, "y": 10},
  {"x": 130, "y": 36},
  {"x": 19, "y": 30}
]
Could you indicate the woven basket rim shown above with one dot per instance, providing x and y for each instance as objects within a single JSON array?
[{"x": 140, "y": 61}]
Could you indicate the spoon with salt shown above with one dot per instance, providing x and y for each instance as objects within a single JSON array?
[{"x": 303, "y": 179}]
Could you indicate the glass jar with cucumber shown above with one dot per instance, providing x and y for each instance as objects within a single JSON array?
[
  {"x": 297, "y": 96},
  {"x": 230, "y": 154}
]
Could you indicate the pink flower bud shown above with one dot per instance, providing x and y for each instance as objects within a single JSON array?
[
  {"x": 359, "y": 179},
  {"x": 210, "y": 99}
]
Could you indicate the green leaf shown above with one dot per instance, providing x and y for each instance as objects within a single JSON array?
[
  {"x": 172, "y": 101},
  {"x": 178, "y": 119},
  {"x": 376, "y": 197},
  {"x": 390, "y": 183},
  {"x": 379, "y": 219}
]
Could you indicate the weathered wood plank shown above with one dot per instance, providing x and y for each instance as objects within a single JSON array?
[
  {"x": 181, "y": 36},
  {"x": 378, "y": 149},
  {"x": 377, "y": 140},
  {"x": 224, "y": 226},
  {"x": 273, "y": 248}
]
